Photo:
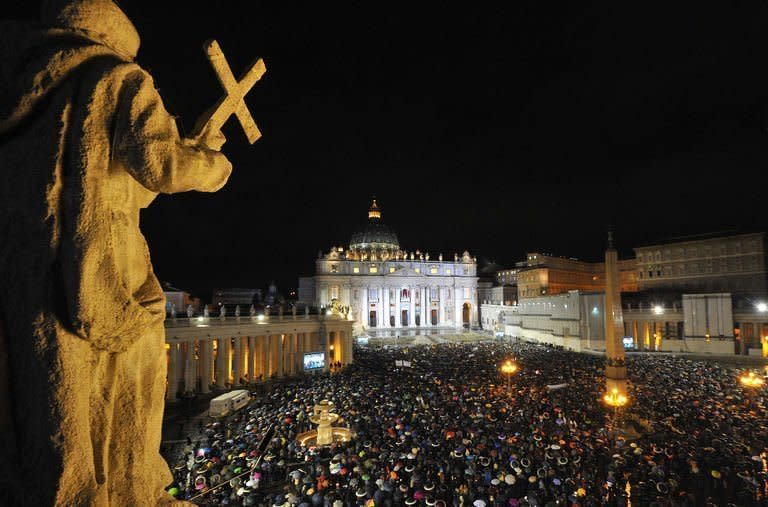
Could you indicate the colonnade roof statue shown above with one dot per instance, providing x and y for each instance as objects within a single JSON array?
[{"x": 85, "y": 143}]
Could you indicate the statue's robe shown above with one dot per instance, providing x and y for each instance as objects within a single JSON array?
[{"x": 85, "y": 143}]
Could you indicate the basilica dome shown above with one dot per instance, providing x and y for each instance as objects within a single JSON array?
[{"x": 375, "y": 235}]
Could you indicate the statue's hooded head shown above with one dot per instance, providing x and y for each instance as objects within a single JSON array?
[{"x": 101, "y": 21}]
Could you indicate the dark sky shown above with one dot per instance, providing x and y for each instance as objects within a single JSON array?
[{"x": 499, "y": 130}]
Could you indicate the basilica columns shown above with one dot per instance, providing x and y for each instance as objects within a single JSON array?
[{"x": 411, "y": 306}]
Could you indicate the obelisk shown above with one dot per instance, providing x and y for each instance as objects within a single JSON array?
[{"x": 615, "y": 363}]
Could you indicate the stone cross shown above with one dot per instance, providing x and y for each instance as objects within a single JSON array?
[{"x": 232, "y": 102}]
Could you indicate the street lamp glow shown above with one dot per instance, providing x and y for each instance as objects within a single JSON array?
[
  {"x": 658, "y": 309},
  {"x": 509, "y": 368},
  {"x": 762, "y": 307},
  {"x": 751, "y": 380},
  {"x": 615, "y": 399}
]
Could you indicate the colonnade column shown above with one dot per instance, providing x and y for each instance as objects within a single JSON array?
[
  {"x": 221, "y": 362},
  {"x": 300, "y": 346},
  {"x": 251, "y": 359},
  {"x": 237, "y": 371},
  {"x": 190, "y": 366},
  {"x": 287, "y": 354},
  {"x": 265, "y": 356},
  {"x": 205, "y": 365},
  {"x": 424, "y": 309},
  {"x": 173, "y": 374}
]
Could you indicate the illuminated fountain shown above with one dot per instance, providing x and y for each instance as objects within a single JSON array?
[{"x": 326, "y": 433}]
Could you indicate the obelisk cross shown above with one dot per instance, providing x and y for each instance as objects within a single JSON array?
[{"x": 232, "y": 102}]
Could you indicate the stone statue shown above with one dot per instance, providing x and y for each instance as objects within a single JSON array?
[
  {"x": 85, "y": 144},
  {"x": 206, "y": 314},
  {"x": 252, "y": 311},
  {"x": 173, "y": 310},
  {"x": 223, "y": 311},
  {"x": 237, "y": 311},
  {"x": 190, "y": 311}
]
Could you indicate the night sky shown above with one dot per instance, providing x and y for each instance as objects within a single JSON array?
[{"x": 499, "y": 130}]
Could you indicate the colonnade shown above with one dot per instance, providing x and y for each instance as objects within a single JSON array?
[{"x": 235, "y": 355}]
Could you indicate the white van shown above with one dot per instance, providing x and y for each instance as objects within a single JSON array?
[{"x": 229, "y": 402}]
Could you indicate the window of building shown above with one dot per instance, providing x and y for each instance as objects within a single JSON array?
[
  {"x": 373, "y": 294},
  {"x": 448, "y": 271},
  {"x": 434, "y": 294},
  {"x": 405, "y": 295},
  {"x": 373, "y": 269},
  {"x": 334, "y": 268},
  {"x": 334, "y": 292},
  {"x": 466, "y": 293},
  {"x": 391, "y": 269},
  {"x": 433, "y": 270},
  {"x": 417, "y": 270},
  {"x": 356, "y": 269},
  {"x": 650, "y": 274},
  {"x": 356, "y": 294}
]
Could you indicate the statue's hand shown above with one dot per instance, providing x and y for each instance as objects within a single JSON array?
[{"x": 212, "y": 138}]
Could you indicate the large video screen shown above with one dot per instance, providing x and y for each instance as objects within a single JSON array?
[{"x": 314, "y": 361}]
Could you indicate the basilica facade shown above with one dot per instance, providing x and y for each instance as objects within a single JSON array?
[{"x": 386, "y": 287}]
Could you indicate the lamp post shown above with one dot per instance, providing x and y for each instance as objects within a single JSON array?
[
  {"x": 616, "y": 400},
  {"x": 509, "y": 368},
  {"x": 753, "y": 383}
]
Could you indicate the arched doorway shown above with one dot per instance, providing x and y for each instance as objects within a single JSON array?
[
  {"x": 372, "y": 319},
  {"x": 465, "y": 314},
  {"x": 404, "y": 318},
  {"x": 434, "y": 317}
]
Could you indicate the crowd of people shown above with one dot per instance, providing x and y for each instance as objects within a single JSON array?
[{"x": 451, "y": 431}]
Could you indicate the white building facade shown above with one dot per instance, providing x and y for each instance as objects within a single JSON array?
[{"x": 386, "y": 287}]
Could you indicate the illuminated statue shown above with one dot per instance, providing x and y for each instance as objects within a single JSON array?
[{"x": 85, "y": 144}]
